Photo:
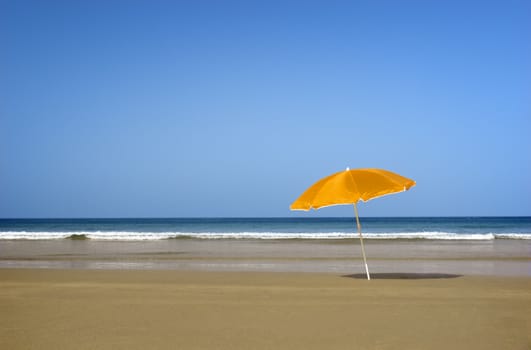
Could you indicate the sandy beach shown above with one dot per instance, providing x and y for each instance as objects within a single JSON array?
[
  {"x": 111, "y": 309},
  {"x": 245, "y": 294}
]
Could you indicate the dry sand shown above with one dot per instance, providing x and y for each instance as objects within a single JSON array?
[{"x": 117, "y": 309}]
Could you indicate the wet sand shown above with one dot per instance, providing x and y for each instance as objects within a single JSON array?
[{"x": 488, "y": 258}]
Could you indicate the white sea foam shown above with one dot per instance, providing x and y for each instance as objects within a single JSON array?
[
  {"x": 150, "y": 236},
  {"x": 13, "y": 235},
  {"x": 513, "y": 235},
  {"x": 97, "y": 235},
  {"x": 433, "y": 235}
]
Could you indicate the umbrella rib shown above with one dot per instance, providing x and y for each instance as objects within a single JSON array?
[
  {"x": 316, "y": 194},
  {"x": 356, "y": 186},
  {"x": 319, "y": 191},
  {"x": 387, "y": 176},
  {"x": 385, "y": 194}
]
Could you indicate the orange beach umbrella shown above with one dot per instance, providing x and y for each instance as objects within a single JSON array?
[{"x": 349, "y": 187}]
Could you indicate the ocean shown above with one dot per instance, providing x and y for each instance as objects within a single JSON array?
[{"x": 389, "y": 228}]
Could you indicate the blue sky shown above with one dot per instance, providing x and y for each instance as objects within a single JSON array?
[{"x": 233, "y": 108}]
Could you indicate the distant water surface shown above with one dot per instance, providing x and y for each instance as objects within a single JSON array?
[{"x": 433, "y": 228}]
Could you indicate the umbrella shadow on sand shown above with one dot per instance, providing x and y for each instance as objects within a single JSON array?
[{"x": 403, "y": 276}]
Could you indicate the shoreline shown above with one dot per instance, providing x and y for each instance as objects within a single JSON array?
[{"x": 488, "y": 258}]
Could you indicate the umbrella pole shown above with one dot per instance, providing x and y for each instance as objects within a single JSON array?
[{"x": 361, "y": 241}]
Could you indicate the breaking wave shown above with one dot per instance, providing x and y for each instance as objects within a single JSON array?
[{"x": 152, "y": 236}]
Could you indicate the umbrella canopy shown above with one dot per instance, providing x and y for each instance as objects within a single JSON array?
[{"x": 349, "y": 187}]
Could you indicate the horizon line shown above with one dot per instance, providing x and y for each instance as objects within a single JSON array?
[{"x": 257, "y": 217}]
